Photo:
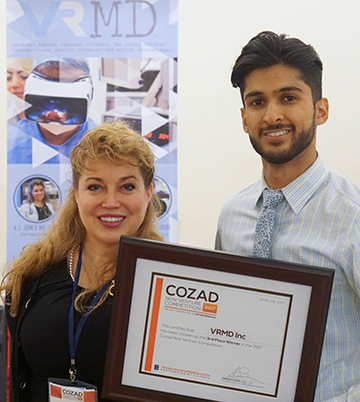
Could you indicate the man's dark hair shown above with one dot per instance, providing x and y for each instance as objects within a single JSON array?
[{"x": 267, "y": 49}]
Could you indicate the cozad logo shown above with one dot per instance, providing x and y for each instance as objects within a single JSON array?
[
  {"x": 192, "y": 293},
  {"x": 209, "y": 298},
  {"x": 77, "y": 395},
  {"x": 70, "y": 394}
]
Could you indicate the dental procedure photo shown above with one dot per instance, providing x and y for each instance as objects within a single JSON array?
[
  {"x": 37, "y": 199},
  {"x": 59, "y": 92}
]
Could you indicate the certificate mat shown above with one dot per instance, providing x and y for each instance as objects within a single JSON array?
[{"x": 192, "y": 324}]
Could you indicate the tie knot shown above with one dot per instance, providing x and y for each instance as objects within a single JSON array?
[{"x": 272, "y": 198}]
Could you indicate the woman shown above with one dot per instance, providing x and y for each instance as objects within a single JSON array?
[
  {"x": 18, "y": 70},
  {"x": 111, "y": 195},
  {"x": 38, "y": 206}
]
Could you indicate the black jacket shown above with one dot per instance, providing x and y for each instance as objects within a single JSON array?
[
  {"x": 19, "y": 369},
  {"x": 92, "y": 348}
]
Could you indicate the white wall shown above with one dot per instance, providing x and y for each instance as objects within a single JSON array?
[{"x": 215, "y": 157}]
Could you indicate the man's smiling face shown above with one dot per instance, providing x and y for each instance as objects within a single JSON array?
[{"x": 279, "y": 114}]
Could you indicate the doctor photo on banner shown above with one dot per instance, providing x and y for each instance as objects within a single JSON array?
[
  {"x": 37, "y": 206},
  {"x": 59, "y": 92}
]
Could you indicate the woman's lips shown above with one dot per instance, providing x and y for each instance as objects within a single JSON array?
[{"x": 111, "y": 221}]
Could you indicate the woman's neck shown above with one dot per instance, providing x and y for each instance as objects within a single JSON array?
[
  {"x": 38, "y": 203},
  {"x": 98, "y": 265}
]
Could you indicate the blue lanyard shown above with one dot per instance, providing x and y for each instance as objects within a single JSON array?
[{"x": 74, "y": 335}]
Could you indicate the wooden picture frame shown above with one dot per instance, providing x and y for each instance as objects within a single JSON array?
[{"x": 200, "y": 325}]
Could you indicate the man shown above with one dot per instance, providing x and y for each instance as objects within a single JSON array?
[
  {"x": 58, "y": 93},
  {"x": 318, "y": 220}
]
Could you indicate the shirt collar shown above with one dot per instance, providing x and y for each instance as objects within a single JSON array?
[{"x": 299, "y": 191}]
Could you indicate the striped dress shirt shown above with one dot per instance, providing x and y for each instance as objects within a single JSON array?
[{"x": 318, "y": 223}]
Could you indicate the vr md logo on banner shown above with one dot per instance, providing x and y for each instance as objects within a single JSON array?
[
  {"x": 91, "y": 28},
  {"x": 106, "y": 16},
  {"x": 72, "y": 65}
]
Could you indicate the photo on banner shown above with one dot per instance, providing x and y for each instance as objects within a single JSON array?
[{"x": 72, "y": 66}]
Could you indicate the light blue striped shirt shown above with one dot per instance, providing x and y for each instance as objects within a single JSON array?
[{"x": 317, "y": 224}]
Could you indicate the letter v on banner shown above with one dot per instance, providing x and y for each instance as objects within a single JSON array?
[{"x": 40, "y": 30}]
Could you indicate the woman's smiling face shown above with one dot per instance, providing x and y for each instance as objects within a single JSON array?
[
  {"x": 38, "y": 192},
  {"x": 112, "y": 200}
]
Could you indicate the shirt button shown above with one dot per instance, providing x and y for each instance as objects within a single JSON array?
[{"x": 22, "y": 385}]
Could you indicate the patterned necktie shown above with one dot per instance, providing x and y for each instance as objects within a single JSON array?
[{"x": 265, "y": 222}]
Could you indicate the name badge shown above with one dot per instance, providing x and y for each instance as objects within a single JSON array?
[{"x": 65, "y": 390}]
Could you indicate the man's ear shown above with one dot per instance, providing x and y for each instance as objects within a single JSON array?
[
  {"x": 243, "y": 116},
  {"x": 322, "y": 111}
]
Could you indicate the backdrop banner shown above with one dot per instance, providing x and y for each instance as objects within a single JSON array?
[{"x": 72, "y": 65}]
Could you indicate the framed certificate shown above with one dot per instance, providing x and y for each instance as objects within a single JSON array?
[{"x": 201, "y": 325}]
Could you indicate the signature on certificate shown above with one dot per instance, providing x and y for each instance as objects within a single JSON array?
[{"x": 242, "y": 376}]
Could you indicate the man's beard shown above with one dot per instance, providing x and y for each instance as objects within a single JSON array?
[{"x": 300, "y": 142}]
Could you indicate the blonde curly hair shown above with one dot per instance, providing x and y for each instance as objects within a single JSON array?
[{"x": 114, "y": 142}]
